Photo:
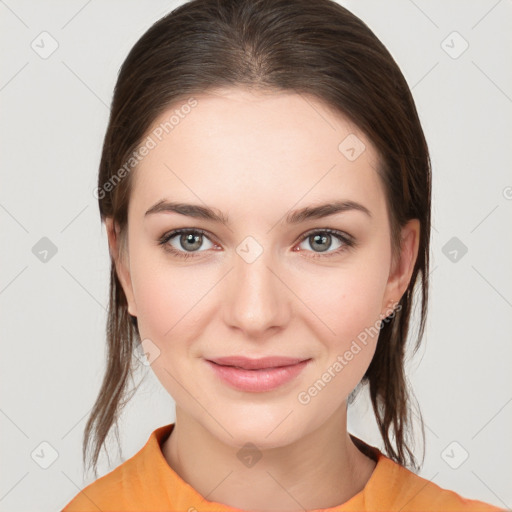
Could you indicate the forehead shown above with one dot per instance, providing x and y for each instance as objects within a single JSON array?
[{"x": 259, "y": 147}]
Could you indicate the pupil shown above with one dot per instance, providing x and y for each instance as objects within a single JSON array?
[
  {"x": 319, "y": 239},
  {"x": 190, "y": 239}
]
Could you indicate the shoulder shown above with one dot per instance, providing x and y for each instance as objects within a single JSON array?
[
  {"x": 412, "y": 492},
  {"x": 395, "y": 487},
  {"x": 137, "y": 483},
  {"x": 105, "y": 492}
]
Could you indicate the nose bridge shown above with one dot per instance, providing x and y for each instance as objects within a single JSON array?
[{"x": 256, "y": 299}]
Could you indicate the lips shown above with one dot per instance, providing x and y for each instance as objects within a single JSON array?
[
  {"x": 256, "y": 364},
  {"x": 257, "y": 375}
]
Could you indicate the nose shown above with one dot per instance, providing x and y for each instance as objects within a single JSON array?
[{"x": 256, "y": 299}]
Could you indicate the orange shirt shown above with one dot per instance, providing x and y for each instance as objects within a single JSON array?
[{"x": 146, "y": 482}]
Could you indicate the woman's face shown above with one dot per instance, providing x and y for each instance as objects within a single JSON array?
[{"x": 255, "y": 286}]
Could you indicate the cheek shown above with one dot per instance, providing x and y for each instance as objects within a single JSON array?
[
  {"x": 166, "y": 305},
  {"x": 346, "y": 301},
  {"x": 173, "y": 311},
  {"x": 169, "y": 311},
  {"x": 349, "y": 306},
  {"x": 157, "y": 302}
]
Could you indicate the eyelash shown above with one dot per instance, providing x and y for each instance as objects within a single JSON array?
[{"x": 348, "y": 241}]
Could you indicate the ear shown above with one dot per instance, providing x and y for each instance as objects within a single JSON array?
[
  {"x": 402, "y": 267},
  {"x": 119, "y": 255}
]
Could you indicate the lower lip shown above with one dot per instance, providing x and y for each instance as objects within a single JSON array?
[{"x": 257, "y": 381}]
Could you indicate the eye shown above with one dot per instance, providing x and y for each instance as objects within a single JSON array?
[
  {"x": 321, "y": 240},
  {"x": 186, "y": 243}
]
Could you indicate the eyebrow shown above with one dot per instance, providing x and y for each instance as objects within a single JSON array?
[{"x": 293, "y": 217}]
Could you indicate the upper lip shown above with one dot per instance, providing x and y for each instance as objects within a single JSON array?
[{"x": 257, "y": 363}]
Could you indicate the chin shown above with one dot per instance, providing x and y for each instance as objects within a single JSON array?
[{"x": 264, "y": 431}]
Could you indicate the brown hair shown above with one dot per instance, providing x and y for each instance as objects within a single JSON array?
[{"x": 300, "y": 46}]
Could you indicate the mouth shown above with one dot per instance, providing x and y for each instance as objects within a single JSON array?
[
  {"x": 257, "y": 375},
  {"x": 261, "y": 363}
]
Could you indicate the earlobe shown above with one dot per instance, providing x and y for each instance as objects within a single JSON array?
[
  {"x": 118, "y": 256},
  {"x": 400, "y": 275}
]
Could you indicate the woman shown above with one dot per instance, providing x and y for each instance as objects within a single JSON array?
[{"x": 265, "y": 185}]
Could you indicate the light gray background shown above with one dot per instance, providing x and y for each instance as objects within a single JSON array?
[{"x": 54, "y": 115}]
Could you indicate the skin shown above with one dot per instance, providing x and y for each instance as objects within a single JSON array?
[{"x": 255, "y": 156}]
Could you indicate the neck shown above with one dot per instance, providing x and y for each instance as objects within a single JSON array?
[{"x": 323, "y": 469}]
